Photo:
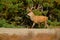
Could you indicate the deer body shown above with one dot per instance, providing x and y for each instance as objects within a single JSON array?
[{"x": 38, "y": 19}]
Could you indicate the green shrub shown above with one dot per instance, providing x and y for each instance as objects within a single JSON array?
[
  {"x": 3, "y": 23},
  {"x": 37, "y": 12},
  {"x": 53, "y": 23}
]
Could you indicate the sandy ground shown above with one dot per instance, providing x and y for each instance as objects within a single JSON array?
[
  {"x": 29, "y": 34},
  {"x": 24, "y": 31}
]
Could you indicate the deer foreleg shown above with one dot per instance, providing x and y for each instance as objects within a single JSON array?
[{"x": 33, "y": 25}]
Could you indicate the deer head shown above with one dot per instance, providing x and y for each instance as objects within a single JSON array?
[{"x": 31, "y": 14}]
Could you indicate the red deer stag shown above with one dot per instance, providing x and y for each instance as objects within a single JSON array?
[{"x": 37, "y": 19}]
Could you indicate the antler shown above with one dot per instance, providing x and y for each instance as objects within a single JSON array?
[{"x": 30, "y": 8}]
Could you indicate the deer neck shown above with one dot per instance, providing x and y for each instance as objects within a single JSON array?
[{"x": 32, "y": 17}]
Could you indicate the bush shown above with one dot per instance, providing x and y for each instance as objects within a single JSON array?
[
  {"x": 3, "y": 23},
  {"x": 37, "y": 12},
  {"x": 53, "y": 23}
]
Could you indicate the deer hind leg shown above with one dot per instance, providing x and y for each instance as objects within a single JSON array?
[
  {"x": 33, "y": 25},
  {"x": 39, "y": 25},
  {"x": 46, "y": 25}
]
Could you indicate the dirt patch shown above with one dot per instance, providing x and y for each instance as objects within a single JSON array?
[
  {"x": 29, "y": 34},
  {"x": 11, "y": 37},
  {"x": 27, "y": 37},
  {"x": 44, "y": 37}
]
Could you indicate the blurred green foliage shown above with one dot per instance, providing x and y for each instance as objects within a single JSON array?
[
  {"x": 37, "y": 12},
  {"x": 14, "y": 12},
  {"x": 4, "y": 24}
]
